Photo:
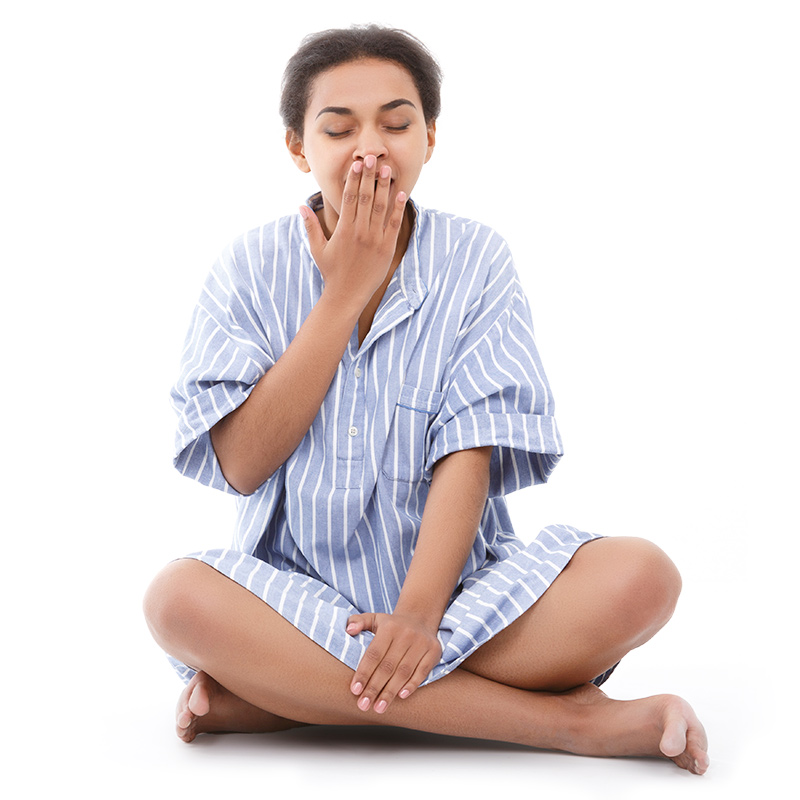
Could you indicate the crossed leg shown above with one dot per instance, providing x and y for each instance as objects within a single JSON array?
[{"x": 256, "y": 672}]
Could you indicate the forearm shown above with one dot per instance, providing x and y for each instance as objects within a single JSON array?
[
  {"x": 450, "y": 523},
  {"x": 255, "y": 439}
]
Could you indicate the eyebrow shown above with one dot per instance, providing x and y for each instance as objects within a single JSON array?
[{"x": 342, "y": 111}]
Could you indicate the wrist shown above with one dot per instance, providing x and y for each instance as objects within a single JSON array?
[
  {"x": 343, "y": 302},
  {"x": 421, "y": 617},
  {"x": 343, "y": 310}
]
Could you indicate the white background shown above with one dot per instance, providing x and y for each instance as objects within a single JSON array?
[{"x": 642, "y": 160}]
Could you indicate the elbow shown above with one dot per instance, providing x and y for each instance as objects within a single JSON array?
[
  {"x": 242, "y": 481},
  {"x": 241, "y": 473}
]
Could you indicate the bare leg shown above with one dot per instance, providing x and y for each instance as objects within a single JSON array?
[
  {"x": 613, "y": 596},
  {"x": 206, "y": 620}
]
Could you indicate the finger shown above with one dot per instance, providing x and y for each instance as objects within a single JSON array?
[
  {"x": 396, "y": 217},
  {"x": 350, "y": 193},
  {"x": 360, "y": 622},
  {"x": 384, "y": 670},
  {"x": 369, "y": 661},
  {"x": 422, "y": 671},
  {"x": 354, "y": 627},
  {"x": 380, "y": 202},
  {"x": 376, "y": 665},
  {"x": 410, "y": 672},
  {"x": 366, "y": 191},
  {"x": 316, "y": 237}
]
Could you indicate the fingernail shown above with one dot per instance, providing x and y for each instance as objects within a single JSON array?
[
  {"x": 363, "y": 703},
  {"x": 380, "y": 706},
  {"x": 369, "y": 162},
  {"x": 356, "y": 688},
  {"x": 357, "y": 167},
  {"x": 401, "y": 197},
  {"x": 304, "y": 212},
  {"x": 405, "y": 693},
  {"x": 385, "y": 171},
  {"x": 352, "y": 627}
]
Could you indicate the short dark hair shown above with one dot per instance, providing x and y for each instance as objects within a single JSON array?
[{"x": 322, "y": 51}]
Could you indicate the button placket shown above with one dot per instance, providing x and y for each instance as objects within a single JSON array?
[{"x": 352, "y": 428}]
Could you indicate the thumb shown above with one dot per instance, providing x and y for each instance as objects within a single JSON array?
[
  {"x": 316, "y": 238},
  {"x": 357, "y": 623}
]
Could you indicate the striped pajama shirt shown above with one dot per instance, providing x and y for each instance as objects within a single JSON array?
[{"x": 449, "y": 364}]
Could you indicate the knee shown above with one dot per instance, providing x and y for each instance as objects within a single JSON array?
[
  {"x": 645, "y": 585},
  {"x": 173, "y": 603}
]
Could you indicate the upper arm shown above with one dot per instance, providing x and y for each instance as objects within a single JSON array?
[{"x": 465, "y": 472}]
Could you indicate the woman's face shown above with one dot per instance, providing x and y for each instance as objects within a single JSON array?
[{"x": 357, "y": 109}]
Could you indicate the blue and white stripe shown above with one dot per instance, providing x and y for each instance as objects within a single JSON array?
[{"x": 450, "y": 363}]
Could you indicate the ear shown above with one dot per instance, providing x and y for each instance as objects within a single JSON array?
[
  {"x": 295, "y": 145},
  {"x": 431, "y": 140}
]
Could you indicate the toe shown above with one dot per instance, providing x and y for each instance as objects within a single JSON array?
[
  {"x": 684, "y": 739},
  {"x": 199, "y": 702},
  {"x": 184, "y": 719},
  {"x": 673, "y": 740},
  {"x": 696, "y": 748},
  {"x": 674, "y": 730}
]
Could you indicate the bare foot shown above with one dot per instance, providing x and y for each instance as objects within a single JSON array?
[
  {"x": 206, "y": 706},
  {"x": 663, "y": 725}
]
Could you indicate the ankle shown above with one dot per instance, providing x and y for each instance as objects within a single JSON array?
[{"x": 575, "y": 728}]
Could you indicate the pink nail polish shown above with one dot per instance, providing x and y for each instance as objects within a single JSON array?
[
  {"x": 356, "y": 688},
  {"x": 405, "y": 693},
  {"x": 357, "y": 167},
  {"x": 363, "y": 703},
  {"x": 380, "y": 707}
]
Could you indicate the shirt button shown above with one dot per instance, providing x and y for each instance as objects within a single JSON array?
[
  {"x": 353, "y": 431},
  {"x": 358, "y": 372}
]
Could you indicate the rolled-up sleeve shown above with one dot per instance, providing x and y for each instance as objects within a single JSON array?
[
  {"x": 497, "y": 394},
  {"x": 226, "y": 353}
]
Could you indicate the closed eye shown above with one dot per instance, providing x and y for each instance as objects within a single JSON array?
[{"x": 392, "y": 128}]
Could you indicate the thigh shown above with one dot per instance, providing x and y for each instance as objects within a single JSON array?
[
  {"x": 205, "y": 619},
  {"x": 315, "y": 609},
  {"x": 613, "y": 595}
]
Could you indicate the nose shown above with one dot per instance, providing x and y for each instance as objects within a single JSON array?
[{"x": 370, "y": 141}]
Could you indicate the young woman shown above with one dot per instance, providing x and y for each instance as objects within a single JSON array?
[{"x": 363, "y": 376}]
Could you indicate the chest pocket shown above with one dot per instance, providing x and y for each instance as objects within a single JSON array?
[{"x": 408, "y": 444}]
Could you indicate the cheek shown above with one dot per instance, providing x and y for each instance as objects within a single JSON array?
[{"x": 413, "y": 165}]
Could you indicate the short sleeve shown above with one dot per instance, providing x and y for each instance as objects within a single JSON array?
[
  {"x": 227, "y": 351},
  {"x": 497, "y": 393}
]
